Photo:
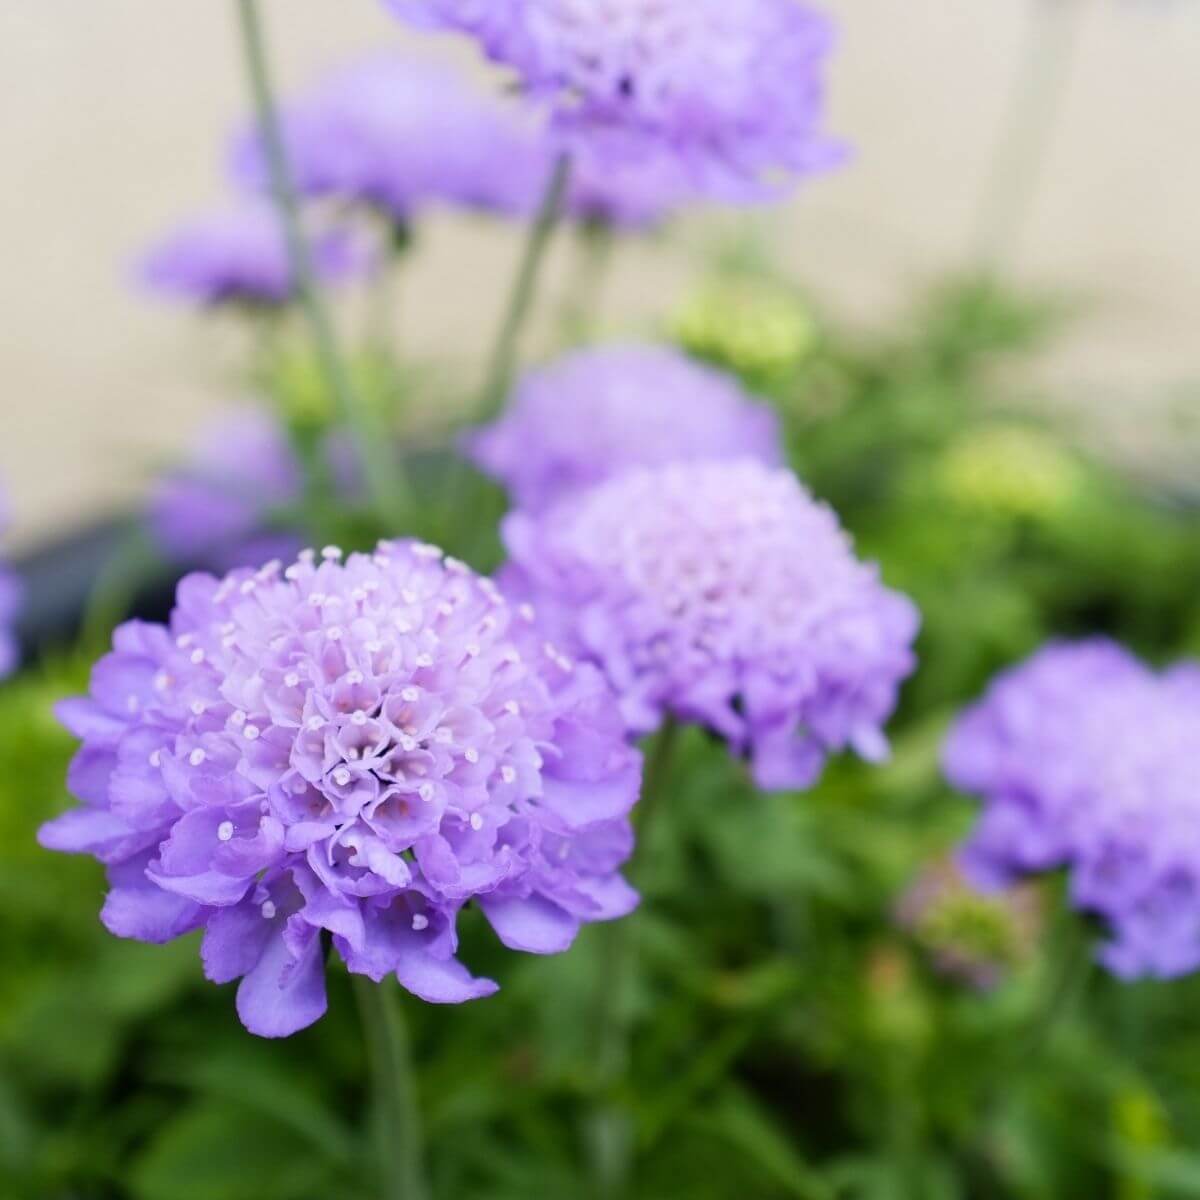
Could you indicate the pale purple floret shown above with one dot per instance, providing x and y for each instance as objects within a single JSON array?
[
  {"x": 1085, "y": 759},
  {"x": 227, "y": 505},
  {"x": 401, "y": 135},
  {"x": 239, "y": 256},
  {"x": 348, "y": 753},
  {"x": 599, "y": 412},
  {"x": 732, "y": 90},
  {"x": 721, "y": 593}
]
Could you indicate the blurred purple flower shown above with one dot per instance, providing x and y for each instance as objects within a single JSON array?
[
  {"x": 731, "y": 90},
  {"x": 596, "y": 413},
  {"x": 10, "y": 603},
  {"x": 240, "y": 256},
  {"x": 217, "y": 509},
  {"x": 721, "y": 593},
  {"x": 349, "y": 751},
  {"x": 399, "y": 134},
  {"x": 1085, "y": 759}
]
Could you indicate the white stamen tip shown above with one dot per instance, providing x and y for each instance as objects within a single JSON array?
[
  {"x": 196, "y": 757},
  {"x": 476, "y": 822},
  {"x": 508, "y": 774},
  {"x": 250, "y": 732},
  {"x": 268, "y": 909},
  {"x": 420, "y": 922},
  {"x": 225, "y": 831}
]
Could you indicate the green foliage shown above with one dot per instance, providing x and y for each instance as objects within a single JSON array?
[{"x": 789, "y": 1038}]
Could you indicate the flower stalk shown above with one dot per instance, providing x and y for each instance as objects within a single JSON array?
[
  {"x": 383, "y": 479},
  {"x": 610, "y": 1136},
  {"x": 503, "y": 359},
  {"x": 397, "y": 1112}
]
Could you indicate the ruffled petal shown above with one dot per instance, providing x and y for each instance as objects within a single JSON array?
[{"x": 533, "y": 924}]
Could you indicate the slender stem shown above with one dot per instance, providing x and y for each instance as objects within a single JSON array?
[
  {"x": 1068, "y": 978},
  {"x": 397, "y": 1113},
  {"x": 654, "y": 780},
  {"x": 594, "y": 244},
  {"x": 132, "y": 563},
  {"x": 371, "y": 443},
  {"x": 1020, "y": 158},
  {"x": 503, "y": 360},
  {"x": 610, "y": 1134}
]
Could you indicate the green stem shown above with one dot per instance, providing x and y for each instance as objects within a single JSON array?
[
  {"x": 594, "y": 244},
  {"x": 371, "y": 443},
  {"x": 503, "y": 360},
  {"x": 610, "y": 1135},
  {"x": 133, "y": 563},
  {"x": 1067, "y": 982},
  {"x": 397, "y": 1114},
  {"x": 1020, "y": 158}
]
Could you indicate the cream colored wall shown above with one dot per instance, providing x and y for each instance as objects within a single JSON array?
[{"x": 113, "y": 113}]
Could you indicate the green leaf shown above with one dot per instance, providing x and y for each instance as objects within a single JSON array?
[
  {"x": 217, "y": 1151},
  {"x": 736, "y": 1118}
]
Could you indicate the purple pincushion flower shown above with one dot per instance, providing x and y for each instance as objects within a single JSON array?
[
  {"x": 239, "y": 255},
  {"x": 721, "y": 593},
  {"x": 348, "y": 752},
  {"x": 729, "y": 89},
  {"x": 1085, "y": 759},
  {"x": 597, "y": 413},
  {"x": 217, "y": 509},
  {"x": 400, "y": 134}
]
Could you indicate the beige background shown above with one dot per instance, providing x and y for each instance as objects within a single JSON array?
[{"x": 112, "y": 115}]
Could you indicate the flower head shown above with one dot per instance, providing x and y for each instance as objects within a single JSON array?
[
  {"x": 221, "y": 507},
  {"x": 238, "y": 256},
  {"x": 730, "y": 89},
  {"x": 399, "y": 134},
  {"x": 597, "y": 413},
  {"x": 353, "y": 750},
  {"x": 1084, "y": 758},
  {"x": 722, "y": 593}
]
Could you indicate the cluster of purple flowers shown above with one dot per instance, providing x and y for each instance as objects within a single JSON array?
[
  {"x": 721, "y": 593},
  {"x": 729, "y": 91},
  {"x": 1085, "y": 759},
  {"x": 240, "y": 255},
  {"x": 597, "y": 413},
  {"x": 348, "y": 752}
]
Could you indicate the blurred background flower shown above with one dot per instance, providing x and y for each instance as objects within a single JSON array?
[{"x": 598, "y": 413}]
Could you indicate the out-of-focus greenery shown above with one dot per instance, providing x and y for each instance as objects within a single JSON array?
[{"x": 789, "y": 1036}]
